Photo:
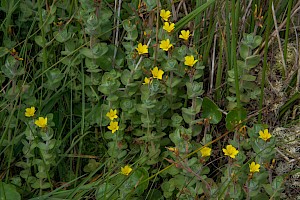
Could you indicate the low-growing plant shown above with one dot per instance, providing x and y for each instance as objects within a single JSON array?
[{"x": 111, "y": 102}]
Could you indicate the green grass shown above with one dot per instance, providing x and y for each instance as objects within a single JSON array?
[{"x": 75, "y": 60}]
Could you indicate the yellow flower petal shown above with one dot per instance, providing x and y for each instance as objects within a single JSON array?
[
  {"x": 146, "y": 80},
  {"x": 142, "y": 49},
  {"x": 157, "y": 73},
  {"x": 29, "y": 112},
  {"x": 126, "y": 170},
  {"x": 169, "y": 27},
  {"x": 185, "y": 34},
  {"x": 205, "y": 151},
  {"x": 265, "y": 135},
  {"x": 113, "y": 126},
  {"x": 254, "y": 167},
  {"x": 41, "y": 122},
  {"x": 190, "y": 60},
  {"x": 112, "y": 114},
  {"x": 165, "y": 14},
  {"x": 165, "y": 45},
  {"x": 230, "y": 151}
]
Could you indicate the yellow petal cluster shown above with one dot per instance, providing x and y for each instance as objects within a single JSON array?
[
  {"x": 147, "y": 80},
  {"x": 230, "y": 151},
  {"x": 113, "y": 126},
  {"x": 112, "y": 114},
  {"x": 157, "y": 73},
  {"x": 142, "y": 49},
  {"x": 29, "y": 112},
  {"x": 190, "y": 60},
  {"x": 41, "y": 122},
  {"x": 205, "y": 151},
  {"x": 254, "y": 167},
  {"x": 165, "y": 45},
  {"x": 185, "y": 34},
  {"x": 265, "y": 135},
  {"x": 165, "y": 15},
  {"x": 169, "y": 27},
  {"x": 126, "y": 170}
]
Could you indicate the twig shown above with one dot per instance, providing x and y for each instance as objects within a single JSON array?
[
  {"x": 117, "y": 31},
  {"x": 279, "y": 42},
  {"x": 295, "y": 10},
  {"x": 173, "y": 11},
  {"x": 213, "y": 63}
]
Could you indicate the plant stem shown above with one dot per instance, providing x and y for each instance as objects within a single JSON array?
[
  {"x": 219, "y": 71},
  {"x": 269, "y": 20},
  {"x": 288, "y": 17},
  {"x": 235, "y": 16}
]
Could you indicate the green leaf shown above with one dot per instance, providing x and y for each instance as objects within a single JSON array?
[
  {"x": 100, "y": 49},
  {"x": 87, "y": 52},
  {"x": 8, "y": 192},
  {"x": 11, "y": 68},
  {"x": 252, "y": 61},
  {"x": 170, "y": 65},
  {"x": 3, "y": 51},
  {"x": 247, "y": 77},
  {"x": 194, "y": 89},
  {"x": 150, "y": 5},
  {"x": 277, "y": 183},
  {"x": 62, "y": 35},
  {"x": 176, "y": 120},
  {"x": 260, "y": 196},
  {"x": 244, "y": 51},
  {"x": 40, "y": 41},
  {"x": 105, "y": 191},
  {"x": 268, "y": 188},
  {"x": 211, "y": 111},
  {"x": 173, "y": 82},
  {"x": 180, "y": 52},
  {"x": 132, "y": 35},
  {"x": 251, "y": 40},
  {"x": 232, "y": 118},
  {"x": 181, "y": 23},
  {"x": 109, "y": 87},
  {"x": 128, "y": 105},
  {"x": 91, "y": 166},
  {"x": 128, "y": 26},
  {"x": 135, "y": 180},
  {"x": 125, "y": 77},
  {"x": 188, "y": 114},
  {"x": 245, "y": 98},
  {"x": 54, "y": 75}
]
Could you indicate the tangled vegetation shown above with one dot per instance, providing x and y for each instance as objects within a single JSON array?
[{"x": 149, "y": 99}]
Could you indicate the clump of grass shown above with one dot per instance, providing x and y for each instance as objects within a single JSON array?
[{"x": 145, "y": 100}]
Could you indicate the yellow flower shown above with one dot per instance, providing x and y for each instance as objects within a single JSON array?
[
  {"x": 205, "y": 151},
  {"x": 157, "y": 73},
  {"x": 265, "y": 135},
  {"x": 113, "y": 126},
  {"x": 29, "y": 112},
  {"x": 41, "y": 122},
  {"x": 165, "y": 14},
  {"x": 190, "y": 60},
  {"x": 169, "y": 27},
  {"x": 254, "y": 167},
  {"x": 126, "y": 170},
  {"x": 147, "y": 81},
  {"x": 230, "y": 151},
  {"x": 185, "y": 34},
  {"x": 165, "y": 45},
  {"x": 142, "y": 49},
  {"x": 112, "y": 114}
]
